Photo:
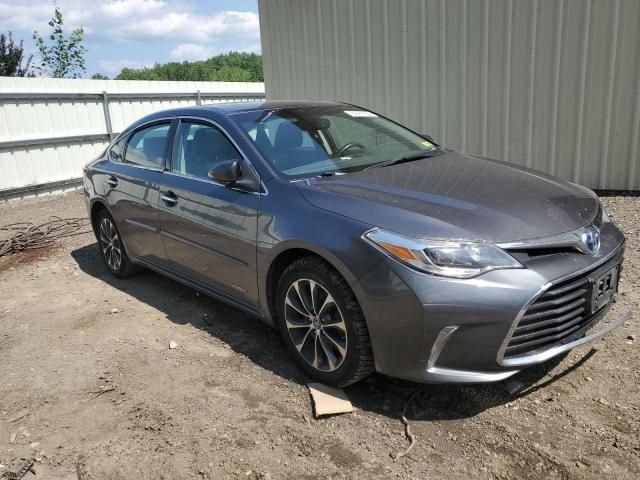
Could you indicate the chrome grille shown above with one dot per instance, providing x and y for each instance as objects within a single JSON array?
[{"x": 555, "y": 316}]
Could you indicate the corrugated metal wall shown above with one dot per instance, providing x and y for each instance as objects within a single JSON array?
[
  {"x": 35, "y": 147},
  {"x": 554, "y": 85}
]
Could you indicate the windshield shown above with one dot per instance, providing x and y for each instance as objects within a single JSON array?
[{"x": 313, "y": 140}]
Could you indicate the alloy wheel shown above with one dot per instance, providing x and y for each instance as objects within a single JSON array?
[
  {"x": 316, "y": 325},
  {"x": 110, "y": 244}
]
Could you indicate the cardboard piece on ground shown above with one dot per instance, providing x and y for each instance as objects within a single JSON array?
[{"x": 328, "y": 400}]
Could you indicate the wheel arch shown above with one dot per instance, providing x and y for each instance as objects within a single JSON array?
[
  {"x": 285, "y": 256},
  {"x": 97, "y": 205}
]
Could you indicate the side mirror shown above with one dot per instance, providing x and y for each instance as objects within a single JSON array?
[
  {"x": 227, "y": 172},
  {"x": 428, "y": 137},
  {"x": 232, "y": 174}
]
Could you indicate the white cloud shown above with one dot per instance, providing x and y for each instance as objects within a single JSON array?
[
  {"x": 130, "y": 8},
  {"x": 116, "y": 66},
  {"x": 133, "y": 20},
  {"x": 25, "y": 16},
  {"x": 188, "y": 26},
  {"x": 251, "y": 48},
  {"x": 192, "y": 51}
]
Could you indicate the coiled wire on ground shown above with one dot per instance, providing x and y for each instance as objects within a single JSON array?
[{"x": 20, "y": 236}]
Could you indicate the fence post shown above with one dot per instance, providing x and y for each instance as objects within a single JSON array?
[
  {"x": 107, "y": 114},
  {"x": 198, "y": 98}
]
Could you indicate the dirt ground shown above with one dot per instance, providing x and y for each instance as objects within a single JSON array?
[{"x": 90, "y": 387}]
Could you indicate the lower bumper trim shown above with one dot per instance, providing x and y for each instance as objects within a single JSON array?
[
  {"x": 552, "y": 352},
  {"x": 448, "y": 375}
]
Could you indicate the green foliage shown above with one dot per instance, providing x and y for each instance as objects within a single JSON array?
[
  {"x": 63, "y": 57},
  {"x": 11, "y": 56},
  {"x": 99, "y": 76},
  {"x": 227, "y": 67}
]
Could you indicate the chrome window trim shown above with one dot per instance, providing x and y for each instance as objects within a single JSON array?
[
  {"x": 535, "y": 358},
  {"x": 119, "y": 174},
  {"x": 165, "y": 170},
  {"x": 193, "y": 177},
  {"x": 142, "y": 167},
  {"x": 213, "y": 182}
]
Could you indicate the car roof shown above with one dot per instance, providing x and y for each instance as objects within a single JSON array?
[
  {"x": 238, "y": 107},
  {"x": 224, "y": 109}
]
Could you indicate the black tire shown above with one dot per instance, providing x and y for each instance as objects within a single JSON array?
[
  {"x": 357, "y": 363},
  {"x": 122, "y": 268}
]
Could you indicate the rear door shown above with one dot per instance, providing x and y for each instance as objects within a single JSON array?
[
  {"x": 133, "y": 188},
  {"x": 209, "y": 230}
]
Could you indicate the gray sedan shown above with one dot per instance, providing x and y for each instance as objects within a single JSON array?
[{"x": 369, "y": 246}]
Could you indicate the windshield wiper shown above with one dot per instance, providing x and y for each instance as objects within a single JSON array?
[{"x": 406, "y": 157}]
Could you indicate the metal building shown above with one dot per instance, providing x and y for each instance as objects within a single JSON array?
[{"x": 550, "y": 84}]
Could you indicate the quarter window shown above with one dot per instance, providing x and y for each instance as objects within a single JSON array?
[
  {"x": 115, "y": 153},
  {"x": 147, "y": 146},
  {"x": 198, "y": 148}
]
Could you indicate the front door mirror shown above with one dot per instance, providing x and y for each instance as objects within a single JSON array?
[
  {"x": 429, "y": 137},
  {"x": 237, "y": 174},
  {"x": 227, "y": 172}
]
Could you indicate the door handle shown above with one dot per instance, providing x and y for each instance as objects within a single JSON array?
[
  {"x": 169, "y": 198},
  {"x": 112, "y": 181}
]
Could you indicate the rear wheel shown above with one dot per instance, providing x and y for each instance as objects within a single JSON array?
[
  {"x": 111, "y": 247},
  {"x": 322, "y": 324}
]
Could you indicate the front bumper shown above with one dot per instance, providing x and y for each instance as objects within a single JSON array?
[{"x": 440, "y": 330}]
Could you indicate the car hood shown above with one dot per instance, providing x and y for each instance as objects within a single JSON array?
[{"x": 456, "y": 196}]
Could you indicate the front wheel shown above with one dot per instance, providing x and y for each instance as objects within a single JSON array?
[{"x": 322, "y": 324}]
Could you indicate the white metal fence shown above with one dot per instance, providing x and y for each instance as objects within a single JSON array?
[{"x": 50, "y": 128}]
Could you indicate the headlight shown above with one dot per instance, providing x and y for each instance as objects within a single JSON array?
[{"x": 456, "y": 259}]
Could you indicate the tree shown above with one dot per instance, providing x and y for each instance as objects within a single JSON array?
[
  {"x": 227, "y": 67},
  {"x": 64, "y": 56},
  {"x": 99, "y": 76},
  {"x": 11, "y": 57}
]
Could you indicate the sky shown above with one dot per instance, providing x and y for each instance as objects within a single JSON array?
[{"x": 139, "y": 33}]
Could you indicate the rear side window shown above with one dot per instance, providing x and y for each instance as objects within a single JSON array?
[
  {"x": 147, "y": 147},
  {"x": 198, "y": 148}
]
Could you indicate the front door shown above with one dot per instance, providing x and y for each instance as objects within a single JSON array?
[{"x": 209, "y": 230}]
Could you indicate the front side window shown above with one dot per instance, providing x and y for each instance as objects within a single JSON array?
[
  {"x": 198, "y": 148},
  {"x": 312, "y": 140},
  {"x": 147, "y": 147}
]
